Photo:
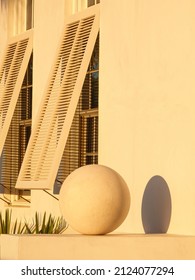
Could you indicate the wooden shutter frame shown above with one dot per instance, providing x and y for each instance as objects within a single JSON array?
[
  {"x": 10, "y": 111},
  {"x": 48, "y": 184}
]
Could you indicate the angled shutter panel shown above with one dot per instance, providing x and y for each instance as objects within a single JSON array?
[
  {"x": 57, "y": 109},
  {"x": 12, "y": 73}
]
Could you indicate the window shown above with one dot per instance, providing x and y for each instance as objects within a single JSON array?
[
  {"x": 29, "y": 14},
  {"x": 60, "y": 102},
  {"x": 15, "y": 76},
  {"x": 75, "y": 6},
  {"x": 89, "y": 112},
  {"x": 93, "y": 2},
  {"x": 20, "y": 16}
]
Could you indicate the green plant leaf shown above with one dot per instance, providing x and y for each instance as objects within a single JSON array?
[
  {"x": 43, "y": 223},
  {"x": 36, "y": 223},
  {"x": 39, "y": 225}
]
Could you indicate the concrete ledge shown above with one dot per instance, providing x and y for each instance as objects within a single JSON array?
[{"x": 105, "y": 247}]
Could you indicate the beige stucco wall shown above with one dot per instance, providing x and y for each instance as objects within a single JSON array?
[
  {"x": 147, "y": 117},
  {"x": 106, "y": 247}
]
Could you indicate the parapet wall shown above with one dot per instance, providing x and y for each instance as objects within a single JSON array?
[{"x": 103, "y": 247}]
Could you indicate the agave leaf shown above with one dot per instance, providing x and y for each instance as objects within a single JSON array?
[
  {"x": 59, "y": 225},
  {"x": 36, "y": 223},
  {"x": 52, "y": 225},
  {"x": 6, "y": 221},
  {"x": 15, "y": 227},
  {"x": 18, "y": 231},
  {"x": 21, "y": 229},
  {"x": 29, "y": 229},
  {"x": 62, "y": 226},
  {"x": 43, "y": 223},
  {"x": 56, "y": 226},
  {"x": 1, "y": 223},
  {"x": 48, "y": 225},
  {"x": 3, "y": 230}
]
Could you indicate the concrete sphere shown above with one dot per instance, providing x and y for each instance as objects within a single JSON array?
[{"x": 94, "y": 199}]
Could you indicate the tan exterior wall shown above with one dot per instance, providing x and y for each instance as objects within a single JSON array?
[
  {"x": 147, "y": 99},
  {"x": 147, "y": 119}
]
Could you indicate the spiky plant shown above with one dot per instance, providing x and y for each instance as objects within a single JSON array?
[
  {"x": 46, "y": 225},
  {"x": 6, "y": 225}
]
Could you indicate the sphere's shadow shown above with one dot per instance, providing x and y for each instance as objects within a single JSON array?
[{"x": 156, "y": 206}]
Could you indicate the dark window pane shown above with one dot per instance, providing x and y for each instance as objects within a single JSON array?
[
  {"x": 89, "y": 159},
  {"x": 27, "y": 136},
  {"x": 94, "y": 63},
  {"x": 94, "y": 89},
  {"x": 86, "y": 93},
  {"x": 91, "y": 3}
]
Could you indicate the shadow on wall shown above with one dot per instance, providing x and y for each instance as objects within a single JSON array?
[{"x": 156, "y": 206}]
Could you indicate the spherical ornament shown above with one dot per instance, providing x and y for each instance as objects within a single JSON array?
[{"x": 94, "y": 199}]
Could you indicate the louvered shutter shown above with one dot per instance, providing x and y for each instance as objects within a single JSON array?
[
  {"x": 12, "y": 73},
  {"x": 59, "y": 103},
  {"x": 82, "y": 143}
]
